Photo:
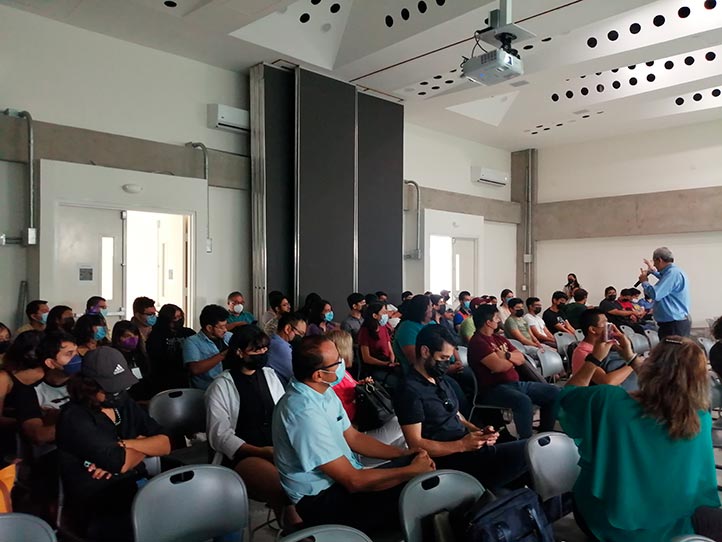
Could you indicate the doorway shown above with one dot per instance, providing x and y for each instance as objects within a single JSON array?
[{"x": 453, "y": 264}]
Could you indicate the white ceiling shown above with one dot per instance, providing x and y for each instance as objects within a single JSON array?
[{"x": 611, "y": 87}]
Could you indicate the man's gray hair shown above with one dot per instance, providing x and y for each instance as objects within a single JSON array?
[{"x": 664, "y": 254}]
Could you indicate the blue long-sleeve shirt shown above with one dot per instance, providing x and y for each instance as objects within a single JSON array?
[{"x": 670, "y": 294}]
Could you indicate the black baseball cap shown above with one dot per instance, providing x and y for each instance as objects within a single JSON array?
[{"x": 108, "y": 368}]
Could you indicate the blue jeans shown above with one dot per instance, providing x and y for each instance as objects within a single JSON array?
[{"x": 521, "y": 397}]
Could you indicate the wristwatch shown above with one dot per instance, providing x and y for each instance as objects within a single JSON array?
[
  {"x": 592, "y": 359},
  {"x": 507, "y": 355}
]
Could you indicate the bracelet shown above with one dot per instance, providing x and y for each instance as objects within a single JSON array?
[
  {"x": 631, "y": 360},
  {"x": 591, "y": 359}
]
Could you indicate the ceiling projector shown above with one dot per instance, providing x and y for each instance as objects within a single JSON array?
[{"x": 493, "y": 67}]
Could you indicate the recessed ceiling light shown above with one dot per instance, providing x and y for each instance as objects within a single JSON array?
[{"x": 170, "y": 3}]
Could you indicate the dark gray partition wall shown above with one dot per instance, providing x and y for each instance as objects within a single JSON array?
[
  {"x": 380, "y": 195},
  {"x": 326, "y": 178}
]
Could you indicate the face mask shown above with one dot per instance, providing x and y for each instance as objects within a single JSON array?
[
  {"x": 43, "y": 318},
  {"x": 384, "y": 319},
  {"x": 100, "y": 334},
  {"x": 4, "y": 345},
  {"x": 329, "y": 316},
  {"x": 467, "y": 304},
  {"x": 74, "y": 365},
  {"x": 296, "y": 339},
  {"x": 115, "y": 400},
  {"x": 519, "y": 313},
  {"x": 611, "y": 297},
  {"x": 537, "y": 310},
  {"x": 151, "y": 320},
  {"x": 561, "y": 305},
  {"x": 104, "y": 312},
  {"x": 340, "y": 373},
  {"x": 68, "y": 324},
  {"x": 570, "y": 281},
  {"x": 238, "y": 309},
  {"x": 129, "y": 343},
  {"x": 255, "y": 362},
  {"x": 436, "y": 369}
]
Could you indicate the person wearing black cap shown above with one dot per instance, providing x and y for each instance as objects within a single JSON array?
[{"x": 103, "y": 436}]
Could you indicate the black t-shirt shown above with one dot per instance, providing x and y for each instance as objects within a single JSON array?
[
  {"x": 255, "y": 411},
  {"x": 715, "y": 358},
  {"x": 165, "y": 353},
  {"x": 85, "y": 435},
  {"x": 22, "y": 402},
  {"x": 434, "y": 406},
  {"x": 551, "y": 319},
  {"x": 605, "y": 305}
]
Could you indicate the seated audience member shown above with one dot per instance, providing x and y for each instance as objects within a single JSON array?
[
  {"x": 406, "y": 295},
  {"x": 320, "y": 318},
  {"x": 438, "y": 308},
  {"x": 279, "y": 306},
  {"x": 90, "y": 333},
  {"x": 554, "y": 316},
  {"x": 352, "y": 323},
  {"x": 203, "y": 353},
  {"x": 392, "y": 309},
  {"x": 97, "y": 305},
  {"x": 315, "y": 447},
  {"x": 573, "y": 311},
  {"x": 647, "y": 303},
  {"x": 291, "y": 329},
  {"x": 144, "y": 317},
  {"x": 616, "y": 313},
  {"x": 715, "y": 353},
  {"x": 103, "y": 437},
  {"x": 447, "y": 320},
  {"x": 630, "y": 440},
  {"x": 467, "y": 329},
  {"x": 517, "y": 328},
  {"x": 165, "y": 349},
  {"x": 390, "y": 432},
  {"x": 126, "y": 339},
  {"x": 37, "y": 313},
  {"x": 494, "y": 360},
  {"x": 5, "y": 340},
  {"x": 60, "y": 318},
  {"x": 375, "y": 346},
  {"x": 430, "y": 419},
  {"x": 536, "y": 323},
  {"x": 239, "y": 411},
  {"x": 463, "y": 311},
  {"x": 59, "y": 353},
  {"x": 370, "y": 298},
  {"x": 504, "y": 310},
  {"x": 310, "y": 300},
  {"x": 571, "y": 286},
  {"x": 237, "y": 314},
  {"x": 616, "y": 366}
]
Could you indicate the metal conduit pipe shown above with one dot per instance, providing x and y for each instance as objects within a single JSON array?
[
  {"x": 201, "y": 146},
  {"x": 416, "y": 253},
  {"x": 528, "y": 259},
  {"x": 30, "y": 235}
]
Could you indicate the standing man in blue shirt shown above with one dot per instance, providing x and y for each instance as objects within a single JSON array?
[
  {"x": 203, "y": 352},
  {"x": 315, "y": 447},
  {"x": 670, "y": 294}
]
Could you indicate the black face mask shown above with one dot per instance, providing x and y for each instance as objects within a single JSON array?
[
  {"x": 537, "y": 310},
  {"x": 115, "y": 400},
  {"x": 561, "y": 305},
  {"x": 519, "y": 313},
  {"x": 4, "y": 345},
  {"x": 68, "y": 324},
  {"x": 436, "y": 369},
  {"x": 296, "y": 340},
  {"x": 611, "y": 297},
  {"x": 255, "y": 362}
]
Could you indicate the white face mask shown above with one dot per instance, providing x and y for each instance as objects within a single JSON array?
[{"x": 238, "y": 309}]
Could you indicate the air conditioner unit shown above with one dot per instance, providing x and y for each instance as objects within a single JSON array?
[
  {"x": 489, "y": 176},
  {"x": 231, "y": 119}
]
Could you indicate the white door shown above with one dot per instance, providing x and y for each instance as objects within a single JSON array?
[
  {"x": 463, "y": 265},
  {"x": 89, "y": 255}
]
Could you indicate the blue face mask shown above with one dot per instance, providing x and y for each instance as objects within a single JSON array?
[
  {"x": 467, "y": 304},
  {"x": 104, "y": 312},
  {"x": 151, "y": 320},
  {"x": 100, "y": 334},
  {"x": 384, "y": 320},
  {"x": 74, "y": 365},
  {"x": 44, "y": 318},
  {"x": 340, "y": 373},
  {"x": 329, "y": 316}
]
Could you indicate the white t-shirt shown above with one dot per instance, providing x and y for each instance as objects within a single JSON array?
[
  {"x": 51, "y": 396},
  {"x": 534, "y": 320}
]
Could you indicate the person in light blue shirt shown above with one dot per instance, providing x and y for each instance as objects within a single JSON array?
[
  {"x": 291, "y": 328},
  {"x": 670, "y": 294},
  {"x": 203, "y": 352},
  {"x": 237, "y": 314},
  {"x": 315, "y": 447}
]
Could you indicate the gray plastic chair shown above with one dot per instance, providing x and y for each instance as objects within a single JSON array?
[
  {"x": 652, "y": 337},
  {"x": 328, "y": 533},
  {"x": 432, "y": 492},
  {"x": 628, "y": 331},
  {"x": 552, "y": 460},
  {"x": 707, "y": 344},
  {"x": 640, "y": 344},
  {"x": 691, "y": 538},
  {"x": 579, "y": 334},
  {"x": 551, "y": 362},
  {"x": 517, "y": 345},
  {"x": 26, "y": 528},
  {"x": 182, "y": 412},
  {"x": 463, "y": 355},
  {"x": 191, "y": 504},
  {"x": 563, "y": 341}
]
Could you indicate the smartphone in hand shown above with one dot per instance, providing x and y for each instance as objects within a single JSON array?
[{"x": 608, "y": 332}]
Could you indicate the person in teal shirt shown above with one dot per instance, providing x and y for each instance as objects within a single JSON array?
[
  {"x": 647, "y": 466},
  {"x": 237, "y": 313}
]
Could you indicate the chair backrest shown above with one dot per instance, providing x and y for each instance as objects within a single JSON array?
[
  {"x": 26, "y": 528},
  {"x": 706, "y": 343},
  {"x": 551, "y": 362},
  {"x": 652, "y": 337},
  {"x": 552, "y": 460},
  {"x": 188, "y": 504},
  {"x": 328, "y": 533},
  {"x": 579, "y": 334},
  {"x": 517, "y": 345},
  {"x": 640, "y": 344},
  {"x": 715, "y": 390},
  {"x": 691, "y": 538},
  {"x": 463, "y": 355},
  {"x": 628, "y": 331},
  {"x": 181, "y": 411},
  {"x": 563, "y": 341},
  {"x": 432, "y": 492}
]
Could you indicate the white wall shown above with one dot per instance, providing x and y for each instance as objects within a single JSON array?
[
  {"x": 499, "y": 258},
  {"x": 671, "y": 159},
  {"x": 615, "y": 261},
  {"x": 13, "y": 258},
  {"x": 70, "y": 76},
  {"x": 437, "y": 160}
]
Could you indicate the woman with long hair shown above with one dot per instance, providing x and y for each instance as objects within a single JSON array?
[
  {"x": 320, "y": 318},
  {"x": 647, "y": 467},
  {"x": 126, "y": 339},
  {"x": 60, "y": 317},
  {"x": 165, "y": 349},
  {"x": 571, "y": 286},
  {"x": 374, "y": 342},
  {"x": 90, "y": 333}
]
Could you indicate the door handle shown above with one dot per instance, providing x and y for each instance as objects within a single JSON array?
[{"x": 119, "y": 313}]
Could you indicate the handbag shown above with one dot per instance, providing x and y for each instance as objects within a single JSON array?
[{"x": 373, "y": 406}]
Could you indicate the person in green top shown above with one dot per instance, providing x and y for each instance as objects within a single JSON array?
[
  {"x": 237, "y": 313},
  {"x": 467, "y": 327},
  {"x": 647, "y": 467},
  {"x": 574, "y": 310}
]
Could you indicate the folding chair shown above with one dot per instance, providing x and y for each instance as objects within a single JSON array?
[
  {"x": 579, "y": 334},
  {"x": 628, "y": 331},
  {"x": 692, "y": 538},
  {"x": 182, "y": 412},
  {"x": 707, "y": 344},
  {"x": 563, "y": 341},
  {"x": 652, "y": 337},
  {"x": 552, "y": 460},
  {"x": 328, "y": 533},
  {"x": 551, "y": 363},
  {"x": 25, "y": 527}
]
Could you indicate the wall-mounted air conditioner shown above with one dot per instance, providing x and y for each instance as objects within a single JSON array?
[
  {"x": 488, "y": 176},
  {"x": 231, "y": 119}
]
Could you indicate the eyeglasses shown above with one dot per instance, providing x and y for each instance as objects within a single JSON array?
[
  {"x": 326, "y": 367},
  {"x": 295, "y": 330},
  {"x": 448, "y": 404}
]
